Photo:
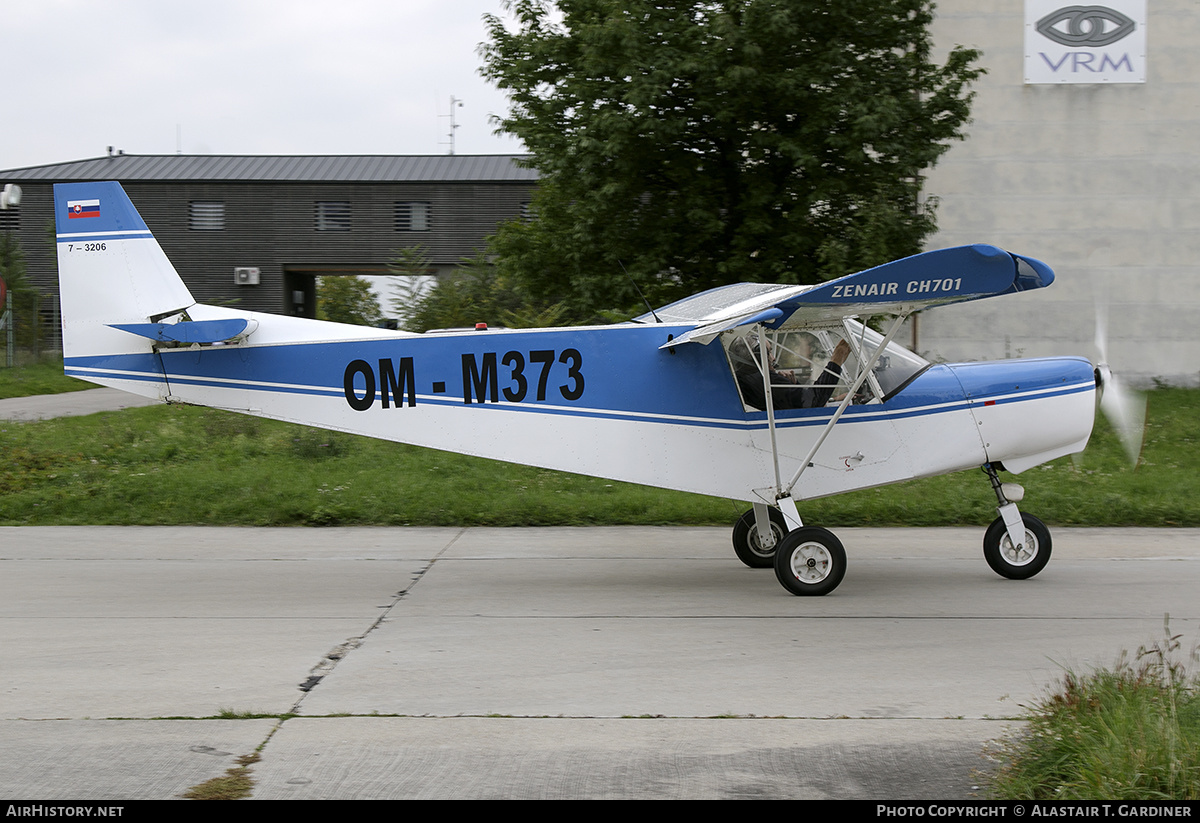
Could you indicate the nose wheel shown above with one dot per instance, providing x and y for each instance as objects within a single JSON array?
[
  {"x": 1016, "y": 545},
  {"x": 1022, "y": 561}
]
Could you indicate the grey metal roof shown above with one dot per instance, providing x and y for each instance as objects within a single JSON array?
[{"x": 371, "y": 168}]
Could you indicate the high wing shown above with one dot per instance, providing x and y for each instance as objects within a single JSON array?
[{"x": 934, "y": 278}]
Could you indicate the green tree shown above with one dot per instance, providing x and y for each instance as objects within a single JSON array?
[
  {"x": 23, "y": 301},
  {"x": 475, "y": 293},
  {"x": 412, "y": 278},
  {"x": 12, "y": 264},
  {"x": 347, "y": 299},
  {"x": 701, "y": 142}
]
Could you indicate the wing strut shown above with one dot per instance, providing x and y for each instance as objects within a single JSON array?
[
  {"x": 862, "y": 375},
  {"x": 770, "y": 402}
]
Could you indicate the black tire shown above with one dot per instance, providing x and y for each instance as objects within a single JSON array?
[
  {"x": 810, "y": 561},
  {"x": 998, "y": 551},
  {"x": 746, "y": 544}
]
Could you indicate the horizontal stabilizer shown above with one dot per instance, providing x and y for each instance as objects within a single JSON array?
[{"x": 197, "y": 331}]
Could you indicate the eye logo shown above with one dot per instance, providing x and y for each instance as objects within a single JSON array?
[{"x": 1085, "y": 26}]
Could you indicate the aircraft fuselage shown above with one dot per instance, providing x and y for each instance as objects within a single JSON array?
[{"x": 606, "y": 401}]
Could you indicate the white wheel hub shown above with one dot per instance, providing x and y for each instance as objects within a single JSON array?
[
  {"x": 1021, "y": 556},
  {"x": 811, "y": 562}
]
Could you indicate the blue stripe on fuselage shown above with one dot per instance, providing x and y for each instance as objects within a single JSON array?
[
  {"x": 610, "y": 372},
  {"x": 617, "y": 369}
]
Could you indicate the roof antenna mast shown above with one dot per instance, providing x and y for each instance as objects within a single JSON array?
[{"x": 454, "y": 103}]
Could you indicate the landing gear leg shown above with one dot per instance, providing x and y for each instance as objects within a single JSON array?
[
  {"x": 1016, "y": 545},
  {"x": 757, "y": 534}
]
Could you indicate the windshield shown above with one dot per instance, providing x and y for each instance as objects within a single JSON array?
[{"x": 895, "y": 366}]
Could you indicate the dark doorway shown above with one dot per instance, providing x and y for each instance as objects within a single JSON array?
[{"x": 299, "y": 294}]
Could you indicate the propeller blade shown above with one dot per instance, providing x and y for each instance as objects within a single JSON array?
[
  {"x": 1126, "y": 412},
  {"x": 1077, "y": 462},
  {"x": 1124, "y": 408},
  {"x": 1102, "y": 325}
]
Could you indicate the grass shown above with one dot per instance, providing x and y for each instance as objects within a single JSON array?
[
  {"x": 43, "y": 377},
  {"x": 177, "y": 465},
  {"x": 235, "y": 784},
  {"x": 1127, "y": 733}
]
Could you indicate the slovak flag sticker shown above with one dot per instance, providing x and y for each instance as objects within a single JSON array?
[{"x": 83, "y": 208}]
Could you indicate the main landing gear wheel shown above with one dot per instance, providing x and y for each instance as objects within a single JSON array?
[
  {"x": 1010, "y": 562},
  {"x": 749, "y": 548},
  {"x": 810, "y": 561}
]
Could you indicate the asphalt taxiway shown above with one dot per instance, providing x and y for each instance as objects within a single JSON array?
[
  {"x": 529, "y": 663},
  {"x": 70, "y": 404}
]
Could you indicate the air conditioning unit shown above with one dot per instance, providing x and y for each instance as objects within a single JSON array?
[
  {"x": 246, "y": 275},
  {"x": 11, "y": 196}
]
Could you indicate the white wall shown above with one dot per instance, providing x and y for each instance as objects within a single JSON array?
[{"x": 1100, "y": 181}]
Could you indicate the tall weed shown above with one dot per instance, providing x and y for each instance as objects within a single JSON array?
[{"x": 1131, "y": 732}]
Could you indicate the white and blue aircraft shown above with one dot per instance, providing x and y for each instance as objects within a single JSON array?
[{"x": 769, "y": 394}]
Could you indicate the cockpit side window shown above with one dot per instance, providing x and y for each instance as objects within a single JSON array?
[
  {"x": 807, "y": 368},
  {"x": 815, "y": 366}
]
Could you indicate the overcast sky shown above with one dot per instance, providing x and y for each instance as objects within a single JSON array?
[{"x": 243, "y": 77}]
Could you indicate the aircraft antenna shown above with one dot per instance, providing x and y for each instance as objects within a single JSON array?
[{"x": 639, "y": 291}]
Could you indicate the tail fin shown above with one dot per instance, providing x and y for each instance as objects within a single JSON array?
[{"x": 111, "y": 271}]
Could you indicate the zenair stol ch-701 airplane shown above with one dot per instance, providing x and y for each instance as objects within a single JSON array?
[{"x": 764, "y": 393}]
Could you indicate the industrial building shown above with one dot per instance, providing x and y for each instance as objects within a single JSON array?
[{"x": 255, "y": 231}]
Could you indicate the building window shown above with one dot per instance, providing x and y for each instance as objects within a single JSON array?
[
  {"x": 10, "y": 218},
  {"x": 412, "y": 217},
  {"x": 206, "y": 216},
  {"x": 332, "y": 215}
]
